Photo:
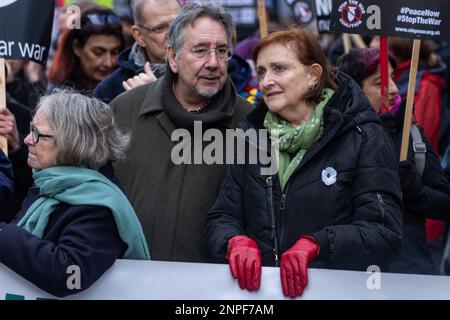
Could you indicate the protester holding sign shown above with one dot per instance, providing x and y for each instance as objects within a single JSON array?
[
  {"x": 430, "y": 84},
  {"x": 87, "y": 55},
  {"x": 425, "y": 194},
  {"x": 335, "y": 201},
  {"x": 74, "y": 218}
]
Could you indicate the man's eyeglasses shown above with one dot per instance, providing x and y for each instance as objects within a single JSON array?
[
  {"x": 101, "y": 19},
  {"x": 158, "y": 29},
  {"x": 35, "y": 134},
  {"x": 201, "y": 53}
]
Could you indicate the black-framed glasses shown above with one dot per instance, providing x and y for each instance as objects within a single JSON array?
[
  {"x": 101, "y": 19},
  {"x": 35, "y": 134},
  {"x": 201, "y": 53},
  {"x": 160, "y": 28}
]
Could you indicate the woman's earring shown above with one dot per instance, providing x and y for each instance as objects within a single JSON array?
[{"x": 311, "y": 86}]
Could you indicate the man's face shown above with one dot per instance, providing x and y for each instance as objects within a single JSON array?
[
  {"x": 201, "y": 77},
  {"x": 152, "y": 32}
]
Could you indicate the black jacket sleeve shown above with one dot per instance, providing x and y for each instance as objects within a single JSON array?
[
  {"x": 87, "y": 238},
  {"x": 374, "y": 234},
  {"x": 430, "y": 196},
  {"x": 225, "y": 218}
]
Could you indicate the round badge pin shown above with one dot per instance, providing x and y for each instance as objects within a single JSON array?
[{"x": 329, "y": 176}]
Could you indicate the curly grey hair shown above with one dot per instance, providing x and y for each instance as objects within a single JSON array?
[
  {"x": 84, "y": 130},
  {"x": 192, "y": 12}
]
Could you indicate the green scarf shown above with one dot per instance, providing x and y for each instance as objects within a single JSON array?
[
  {"x": 292, "y": 142},
  {"x": 82, "y": 186}
]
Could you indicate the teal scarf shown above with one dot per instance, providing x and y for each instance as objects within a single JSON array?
[
  {"x": 81, "y": 186},
  {"x": 292, "y": 142}
]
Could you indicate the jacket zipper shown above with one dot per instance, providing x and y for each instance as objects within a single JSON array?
[
  {"x": 272, "y": 218},
  {"x": 382, "y": 204},
  {"x": 283, "y": 213}
]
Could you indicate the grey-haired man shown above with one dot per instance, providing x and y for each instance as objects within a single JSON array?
[{"x": 172, "y": 200}]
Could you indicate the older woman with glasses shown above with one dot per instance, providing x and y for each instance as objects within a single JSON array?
[
  {"x": 73, "y": 215},
  {"x": 87, "y": 54}
]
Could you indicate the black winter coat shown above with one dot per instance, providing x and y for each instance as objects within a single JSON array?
[
  {"x": 84, "y": 236},
  {"x": 356, "y": 220},
  {"x": 427, "y": 197}
]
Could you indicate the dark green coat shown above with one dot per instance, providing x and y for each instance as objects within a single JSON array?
[{"x": 171, "y": 201}]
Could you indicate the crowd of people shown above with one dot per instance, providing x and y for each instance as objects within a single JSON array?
[{"x": 92, "y": 173}]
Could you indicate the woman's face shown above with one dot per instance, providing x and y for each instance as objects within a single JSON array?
[
  {"x": 98, "y": 56},
  {"x": 283, "y": 80},
  {"x": 41, "y": 154},
  {"x": 372, "y": 88}
]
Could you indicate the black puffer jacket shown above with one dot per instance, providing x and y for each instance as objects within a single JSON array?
[
  {"x": 427, "y": 197},
  {"x": 356, "y": 220}
]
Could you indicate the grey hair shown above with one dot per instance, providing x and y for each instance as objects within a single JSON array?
[
  {"x": 192, "y": 12},
  {"x": 84, "y": 130}
]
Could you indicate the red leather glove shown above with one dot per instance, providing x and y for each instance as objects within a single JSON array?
[
  {"x": 245, "y": 262},
  {"x": 294, "y": 266}
]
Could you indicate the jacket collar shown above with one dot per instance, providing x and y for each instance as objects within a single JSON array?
[
  {"x": 346, "y": 110},
  {"x": 153, "y": 102}
]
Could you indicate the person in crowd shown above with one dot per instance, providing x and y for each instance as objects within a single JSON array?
[
  {"x": 14, "y": 126},
  {"x": 87, "y": 55},
  {"x": 430, "y": 84},
  {"x": 6, "y": 182},
  {"x": 334, "y": 201},
  {"x": 66, "y": 16},
  {"x": 424, "y": 195},
  {"x": 123, "y": 8},
  {"x": 443, "y": 52},
  {"x": 26, "y": 81},
  {"x": 244, "y": 79},
  {"x": 428, "y": 99},
  {"x": 144, "y": 62},
  {"x": 73, "y": 215},
  {"x": 172, "y": 198}
]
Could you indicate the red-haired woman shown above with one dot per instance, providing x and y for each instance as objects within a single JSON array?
[
  {"x": 88, "y": 54},
  {"x": 335, "y": 199}
]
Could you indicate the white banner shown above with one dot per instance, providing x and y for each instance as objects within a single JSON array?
[{"x": 156, "y": 280}]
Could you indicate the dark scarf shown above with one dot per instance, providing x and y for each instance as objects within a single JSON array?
[{"x": 218, "y": 112}]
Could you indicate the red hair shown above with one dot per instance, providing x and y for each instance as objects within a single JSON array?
[
  {"x": 308, "y": 52},
  {"x": 63, "y": 64},
  {"x": 66, "y": 65}
]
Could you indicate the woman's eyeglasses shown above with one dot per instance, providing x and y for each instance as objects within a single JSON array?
[
  {"x": 101, "y": 19},
  {"x": 35, "y": 134}
]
